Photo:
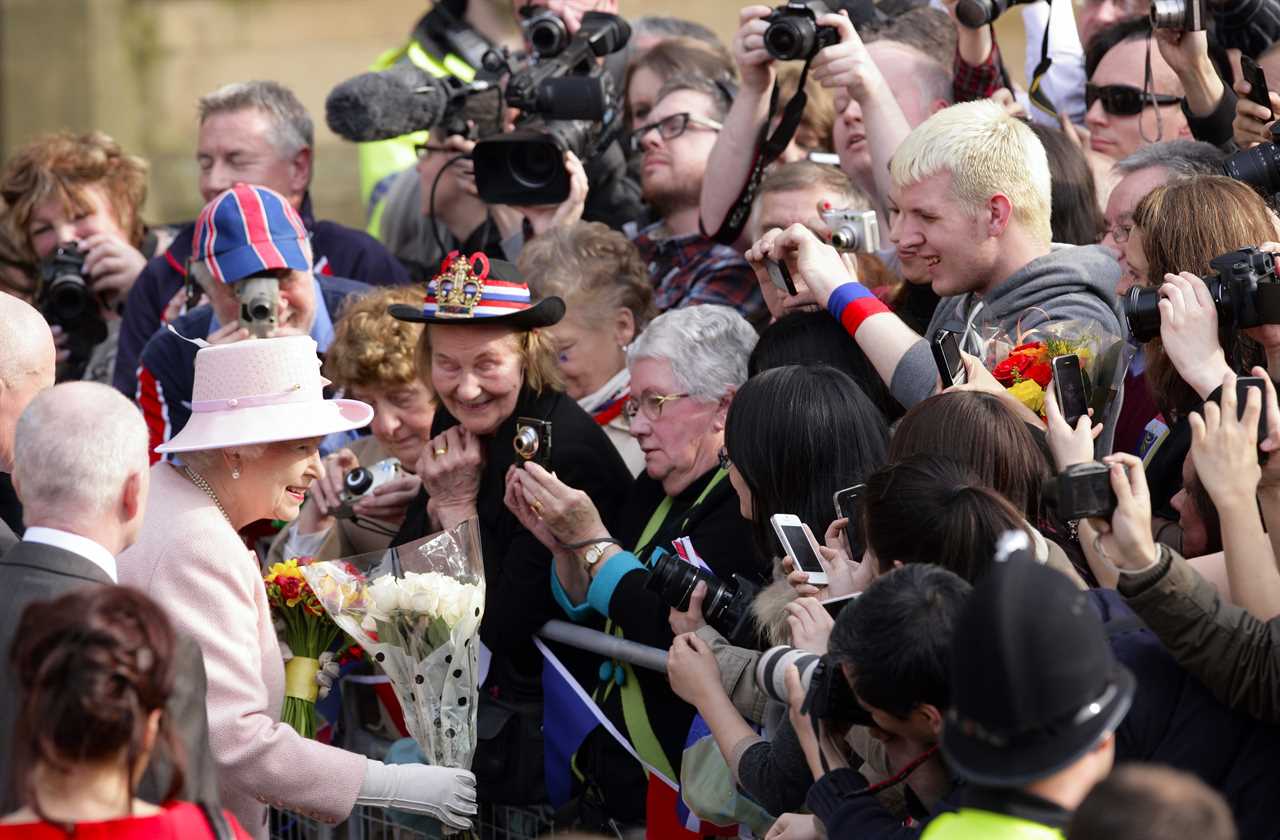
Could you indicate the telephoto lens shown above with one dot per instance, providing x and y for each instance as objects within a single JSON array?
[
  {"x": 1258, "y": 167},
  {"x": 1142, "y": 313},
  {"x": 726, "y": 606},
  {"x": 771, "y": 670}
]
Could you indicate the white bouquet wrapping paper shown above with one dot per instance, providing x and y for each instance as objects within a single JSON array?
[{"x": 416, "y": 608}]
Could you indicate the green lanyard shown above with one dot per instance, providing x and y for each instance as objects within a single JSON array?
[{"x": 660, "y": 515}]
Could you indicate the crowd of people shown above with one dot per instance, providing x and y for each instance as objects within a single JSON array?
[{"x": 769, "y": 336}]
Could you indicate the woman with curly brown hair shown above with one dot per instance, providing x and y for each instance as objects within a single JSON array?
[
  {"x": 372, "y": 360},
  {"x": 75, "y": 201}
]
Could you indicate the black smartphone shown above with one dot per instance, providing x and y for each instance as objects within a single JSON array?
[
  {"x": 1068, "y": 387},
  {"x": 946, "y": 355},
  {"x": 1243, "y": 384},
  {"x": 846, "y": 504},
  {"x": 1257, "y": 83}
]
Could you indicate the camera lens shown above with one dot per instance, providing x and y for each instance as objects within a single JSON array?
[
  {"x": 358, "y": 481},
  {"x": 259, "y": 309},
  {"x": 68, "y": 297},
  {"x": 771, "y": 670},
  {"x": 1258, "y": 167},
  {"x": 978, "y": 13},
  {"x": 1142, "y": 312},
  {"x": 548, "y": 36},
  {"x": 534, "y": 165},
  {"x": 526, "y": 442},
  {"x": 790, "y": 40},
  {"x": 1168, "y": 14}
]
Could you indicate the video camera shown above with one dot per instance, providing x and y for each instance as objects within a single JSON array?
[
  {"x": 1245, "y": 291},
  {"x": 568, "y": 103},
  {"x": 726, "y": 607},
  {"x": 65, "y": 299}
]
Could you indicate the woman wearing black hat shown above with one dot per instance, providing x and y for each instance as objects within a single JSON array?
[{"x": 493, "y": 370}]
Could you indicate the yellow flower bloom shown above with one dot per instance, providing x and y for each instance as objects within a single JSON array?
[{"x": 1030, "y": 394}]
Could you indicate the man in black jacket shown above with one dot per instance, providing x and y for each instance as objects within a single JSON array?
[
  {"x": 27, "y": 361},
  {"x": 84, "y": 500}
]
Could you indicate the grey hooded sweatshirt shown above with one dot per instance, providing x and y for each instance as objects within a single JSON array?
[{"x": 1071, "y": 282}]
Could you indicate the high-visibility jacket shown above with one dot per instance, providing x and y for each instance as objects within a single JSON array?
[{"x": 975, "y": 824}]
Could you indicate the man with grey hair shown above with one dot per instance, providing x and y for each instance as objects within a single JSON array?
[
  {"x": 83, "y": 497},
  {"x": 255, "y": 133},
  {"x": 27, "y": 360},
  {"x": 1141, "y": 172}
]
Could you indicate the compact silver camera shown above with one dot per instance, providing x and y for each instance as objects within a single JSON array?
[
  {"x": 533, "y": 441},
  {"x": 259, "y": 303},
  {"x": 853, "y": 230},
  {"x": 1185, "y": 15},
  {"x": 362, "y": 481}
]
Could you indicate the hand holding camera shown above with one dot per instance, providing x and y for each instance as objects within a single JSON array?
[
  {"x": 821, "y": 267},
  {"x": 544, "y": 217},
  {"x": 846, "y": 65},
  {"x": 755, "y": 64},
  {"x": 690, "y": 620},
  {"x": 1125, "y": 540},
  {"x": 325, "y": 495},
  {"x": 1189, "y": 331},
  {"x": 112, "y": 266},
  {"x": 810, "y": 624}
]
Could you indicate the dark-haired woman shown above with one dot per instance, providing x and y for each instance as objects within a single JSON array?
[{"x": 96, "y": 667}]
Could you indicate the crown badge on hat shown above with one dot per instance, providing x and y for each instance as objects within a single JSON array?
[
  {"x": 478, "y": 290},
  {"x": 459, "y": 287}
]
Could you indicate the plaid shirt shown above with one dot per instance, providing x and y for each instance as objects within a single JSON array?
[
  {"x": 976, "y": 81},
  {"x": 692, "y": 269}
]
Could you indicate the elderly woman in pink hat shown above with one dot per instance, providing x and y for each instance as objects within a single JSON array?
[{"x": 249, "y": 452}]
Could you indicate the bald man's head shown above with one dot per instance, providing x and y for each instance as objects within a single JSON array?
[{"x": 27, "y": 359}]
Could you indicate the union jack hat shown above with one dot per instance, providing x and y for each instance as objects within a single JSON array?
[
  {"x": 247, "y": 230},
  {"x": 478, "y": 290}
]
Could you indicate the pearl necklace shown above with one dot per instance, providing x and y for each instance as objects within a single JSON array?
[{"x": 199, "y": 481}]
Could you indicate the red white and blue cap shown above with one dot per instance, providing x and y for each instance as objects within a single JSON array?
[
  {"x": 248, "y": 230},
  {"x": 478, "y": 290}
]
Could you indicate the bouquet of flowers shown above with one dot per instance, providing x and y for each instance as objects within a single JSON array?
[
  {"x": 416, "y": 608},
  {"x": 308, "y": 632},
  {"x": 1023, "y": 364}
]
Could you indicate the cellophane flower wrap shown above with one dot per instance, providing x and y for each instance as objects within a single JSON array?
[
  {"x": 309, "y": 632},
  {"x": 416, "y": 609},
  {"x": 1022, "y": 361}
]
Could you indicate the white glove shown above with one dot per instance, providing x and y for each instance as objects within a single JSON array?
[
  {"x": 445, "y": 793},
  {"x": 329, "y": 670}
]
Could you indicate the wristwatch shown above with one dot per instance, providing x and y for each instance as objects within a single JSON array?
[{"x": 595, "y": 552}]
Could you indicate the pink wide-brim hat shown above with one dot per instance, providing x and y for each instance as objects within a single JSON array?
[{"x": 262, "y": 390}]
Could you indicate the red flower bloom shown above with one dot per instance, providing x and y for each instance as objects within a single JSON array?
[
  {"x": 290, "y": 588},
  {"x": 1005, "y": 371},
  {"x": 1041, "y": 373}
]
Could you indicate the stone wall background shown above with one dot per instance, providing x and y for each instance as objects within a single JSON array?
[{"x": 134, "y": 68}]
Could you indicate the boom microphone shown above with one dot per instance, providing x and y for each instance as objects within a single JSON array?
[{"x": 386, "y": 104}]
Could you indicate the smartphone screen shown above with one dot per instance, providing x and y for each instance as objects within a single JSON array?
[
  {"x": 946, "y": 355},
  {"x": 1257, "y": 82},
  {"x": 800, "y": 549},
  {"x": 1068, "y": 385}
]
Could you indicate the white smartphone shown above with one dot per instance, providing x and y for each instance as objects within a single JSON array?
[{"x": 798, "y": 542}]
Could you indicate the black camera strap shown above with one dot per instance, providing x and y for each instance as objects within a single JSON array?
[{"x": 768, "y": 148}]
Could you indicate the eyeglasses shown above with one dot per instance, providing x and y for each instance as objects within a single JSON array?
[
  {"x": 723, "y": 457},
  {"x": 650, "y": 404},
  {"x": 1120, "y": 233},
  {"x": 669, "y": 128},
  {"x": 1125, "y": 100}
]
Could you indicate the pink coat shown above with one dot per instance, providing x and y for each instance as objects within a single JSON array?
[{"x": 194, "y": 565}]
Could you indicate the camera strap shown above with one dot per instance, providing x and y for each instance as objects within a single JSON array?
[{"x": 768, "y": 148}]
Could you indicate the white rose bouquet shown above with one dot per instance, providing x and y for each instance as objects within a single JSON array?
[{"x": 416, "y": 608}]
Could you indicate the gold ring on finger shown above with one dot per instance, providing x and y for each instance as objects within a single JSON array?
[{"x": 443, "y": 450}]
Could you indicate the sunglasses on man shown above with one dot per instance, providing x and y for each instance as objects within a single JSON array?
[{"x": 1125, "y": 100}]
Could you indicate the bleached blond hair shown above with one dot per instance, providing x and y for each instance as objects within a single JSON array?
[{"x": 987, "y": 153}]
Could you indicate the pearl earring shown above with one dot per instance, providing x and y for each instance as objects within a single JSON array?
[{"x": 235, "y": 473}]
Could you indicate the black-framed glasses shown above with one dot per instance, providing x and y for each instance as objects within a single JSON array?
[
  {"x": 669, "y": 128},
  {"x": 650, "y": 404},
  {"x": 723, "y": 457},
  {"x": 1125, "y": 100}
]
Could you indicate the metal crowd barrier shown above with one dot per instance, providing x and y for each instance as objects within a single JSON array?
[{"x": 495, "y": 822}]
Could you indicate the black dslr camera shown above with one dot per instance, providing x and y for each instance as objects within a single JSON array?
[
  {"x": 1081, "y": 491},
  {"x": 794, "y": 33},
  {"x": 827, "y": 692},
  {"x": 1245, "y": 291},
  {"x": 726, "y": 607},
  {"x": 533, "y": 441},
  {"x": 568, "y": 103},
  {"x": 65, "y": 300},
  {"x": 1258, "y": 167}
]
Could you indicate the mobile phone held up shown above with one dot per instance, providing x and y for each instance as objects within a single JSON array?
[
  {"x": 846, "y": 504},
  {"x": 1257, "y": 83},
  {"x": 799, "y": 544},
  {"x": 1068, "y": 387},
  {"x": 946, "y": 355},
  {"x": 1243, "y": 384}
]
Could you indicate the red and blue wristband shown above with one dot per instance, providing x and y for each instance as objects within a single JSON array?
[{"x": 852, "y": 303}]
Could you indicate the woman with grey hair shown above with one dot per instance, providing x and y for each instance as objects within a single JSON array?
[{"x": 685, "y": 369}]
